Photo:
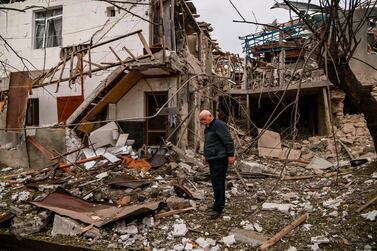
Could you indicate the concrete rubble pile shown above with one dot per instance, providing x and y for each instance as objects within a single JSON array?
[{"x": 111, "y": 196}]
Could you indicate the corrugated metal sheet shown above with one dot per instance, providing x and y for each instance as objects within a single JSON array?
[{"x": 63, "y": 203}]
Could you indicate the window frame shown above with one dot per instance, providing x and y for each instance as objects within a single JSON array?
[
  {"x": 32, "y": 111},
  {"x": 46, "y": 21}
]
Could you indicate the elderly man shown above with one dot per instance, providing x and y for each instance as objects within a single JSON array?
[{"x": 218, "y": 153}]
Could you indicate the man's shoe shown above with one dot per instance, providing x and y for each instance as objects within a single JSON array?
[
  {"x": 214, "y": 214},
  {"x": 210, "y": 208}
]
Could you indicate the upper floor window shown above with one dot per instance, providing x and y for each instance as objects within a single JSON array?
[{"x": 48, "y": 28}]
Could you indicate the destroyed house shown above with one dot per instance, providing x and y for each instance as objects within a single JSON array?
[
  {"x": 146, "y": 65},
  {"x": 279, "y": 64}
]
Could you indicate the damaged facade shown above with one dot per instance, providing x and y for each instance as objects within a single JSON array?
[
  {"x": 281, "y": 69},
  {"x": 100, "y": 140},
  {"x": 146, "y": 65}
]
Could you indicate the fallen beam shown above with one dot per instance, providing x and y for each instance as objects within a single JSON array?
[
  {"x": 370, "y": 202},
  {"x": 173, "y": 212},
  {"x": 80, "y": 162},
  {"x": 326, "y": 175},
  {"x": 283, "y": 232},
  {"x": 33, "y": 172}
]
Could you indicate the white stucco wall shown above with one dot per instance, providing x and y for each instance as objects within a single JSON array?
[
  {"x": 132, "y": 105},
  {"x": 81, "y": 20}
]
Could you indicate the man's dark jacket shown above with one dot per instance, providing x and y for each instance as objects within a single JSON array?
[{"x": 218, "y": 142}]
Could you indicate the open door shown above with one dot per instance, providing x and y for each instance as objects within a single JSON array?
[{"x": 156, "y": 128}]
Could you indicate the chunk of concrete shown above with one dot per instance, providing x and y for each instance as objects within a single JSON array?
[
  {"x": 284, "y": 207},
  {"x": 65, "y": 226},
  {"x": 104, "y": 135},
  {"x": 110, "y": 157},
  {"x": 229, "y": 240},
  {"x": 175, "y": 203},
  {"x": 122, "y": 140},
  {"x": 318, "y": 163},
  {"x": 249, "y": 237},
  {"x": 179, "y": 230},
  {"x": 332, "y": 203},
  {"x": 251, "y": 167},
  {"x": 372, "y": 215}
]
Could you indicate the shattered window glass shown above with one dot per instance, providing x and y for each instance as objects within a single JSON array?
[{"x": 48, "y": 28}]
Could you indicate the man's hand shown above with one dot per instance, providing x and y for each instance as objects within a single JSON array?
[
  {"x": 204, "y": 161},
  {"x": 231, "y": 160}
]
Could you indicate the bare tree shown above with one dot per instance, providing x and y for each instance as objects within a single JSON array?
[{"x": 338, "y": 35}]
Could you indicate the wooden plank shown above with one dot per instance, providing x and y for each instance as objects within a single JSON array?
[
  {"x": 113, "y": 96},
  {"x": 94, "y": 70},
  {"x": 45, "y": 152},
  {"x": 32, "y": 172},
  {"x": 116, "y": 55},
  {"x": 63, "y": 166},
  {"x": 70, "y": 67},
  {"x": 283, "y": 232},
  {"x": 145, "y": 44},
  {"x": 17, "y": 100},
  {"x": 61, "y": 73},
  {"x": 370, "y": 202},
  {"x": 130, "y": 53},
  {"x": 90, "y": 62},
  {"x": 173, "y": 212},
  {"x": 68, "y": 153}
]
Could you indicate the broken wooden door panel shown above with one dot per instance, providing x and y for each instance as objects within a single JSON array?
[
  {"x": 67, "y": 105},
  {"x": 19, "y": 85},
  {"x": 155, "y": 127}
]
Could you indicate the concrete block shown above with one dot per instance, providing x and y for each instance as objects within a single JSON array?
[
  {"x": 65, "y": 226},
  {"x": 276, "y": 206},
  {"x": 122, "y": 140},
  {"x": 104, "y": 135},
  {"x": 179, "y": 230},
  {"x": 249, "y": 237},
  {"x": 175, "y": 203}
]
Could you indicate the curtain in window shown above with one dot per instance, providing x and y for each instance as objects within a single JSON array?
[
  {"x": 48, "y": 28},
  {"x": 39, "y": 34},
  {"x": 54, "y": 34}
]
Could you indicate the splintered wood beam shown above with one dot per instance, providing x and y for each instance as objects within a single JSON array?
[
  {"x": 85, "y": 49},
  {"x": 64, "y": 166},
  {"x": 173, "y": 212},
  {"x": 54, "y": 71},
  {"x": 116, "y": 55},
  {"x": 68, "y": 153},
  {"x": 90, "y": 62},
  {"x": 93, "y": 70},
  {"x": 130, "y": 53},
  {"x": 283, "y": 232},
  {"x": 45, "y": 152},
  {"x": 70, "y": 67},
  {"x": 145, "y": 44},
  {"x": 61, "y": 73},
  {"x": 370, "y": 202}
]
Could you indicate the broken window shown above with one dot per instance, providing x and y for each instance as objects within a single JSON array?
[
  {"x": 110, "y": 11},
  {"x": 32, "y": 113},
  {"x": 48, "y": 28},
  {"x": 372, "y": 36}
]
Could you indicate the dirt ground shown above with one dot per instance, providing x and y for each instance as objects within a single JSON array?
[{"x": 331, "y": 203}]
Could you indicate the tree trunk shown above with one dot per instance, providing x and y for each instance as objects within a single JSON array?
[{"x": 358, "y": 95}]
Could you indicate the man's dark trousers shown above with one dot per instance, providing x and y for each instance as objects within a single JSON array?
[{"x": 218, "y": 168}]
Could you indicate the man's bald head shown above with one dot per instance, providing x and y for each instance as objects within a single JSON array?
[{"x": 205, "y": 117}]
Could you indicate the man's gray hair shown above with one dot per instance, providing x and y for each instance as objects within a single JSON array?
[{"x": 205, "y": 113}]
